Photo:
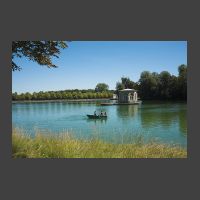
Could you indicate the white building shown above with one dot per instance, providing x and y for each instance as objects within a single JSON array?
[
  {"x": 114, "y": 96},
  {"x": 127, "y": 96}
]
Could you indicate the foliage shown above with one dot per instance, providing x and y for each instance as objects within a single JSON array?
[
  {"x": 182, "y": 81},
  {"x": 65, "y": 146},
  {"x": 101, "y": 87},
  {"x": 125, "y": 83},
  {"x": 148, "y": 84},
  {"x": 119, "y": 86},
  {"x": 158, "y": 86},
  {"x": 38, "y": 51},
  {"x": 66, "y": 94},
  {"x": 151, "y": 86}
]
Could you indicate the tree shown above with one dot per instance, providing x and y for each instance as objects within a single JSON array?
[
  {"x": 47, "y": 95},
  {"x": 14, "y": 96},
  {"x": 119, "y": 86},
  {"x": 173, "y": 88},
  {"x": 22, "y": 96},
  {"x": 40, "y": 95},
  {"x": 124, "y": 84},
  {"x": 58, "y": 95},
  {"x": 38, "y": 51},
  {"x": 155, "y": 85},
  {"x": 70, "y": 95},
  {"x": 101, "y": 87},
  {"x": 147, "y": 85},
  {"x": 182, "y": 81},
  {"x": 34, "y": 96},
  {"x": 127, "y": 83},
  {"x": 165, "y": 80},
  {"x": 28, "y": 96}
]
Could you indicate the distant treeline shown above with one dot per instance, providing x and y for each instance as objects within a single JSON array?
[
  {"x": 63, "y": 94},
  {"x": 151, "y": 86}
]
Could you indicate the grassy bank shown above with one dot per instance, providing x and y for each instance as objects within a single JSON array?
[{"x": 65, "y": 146}]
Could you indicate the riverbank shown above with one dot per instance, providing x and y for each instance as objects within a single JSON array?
[
  {"x": 61, "y": 100},
  {"x": 65, "y": 146},
  {"x": 93, "y": 100}
]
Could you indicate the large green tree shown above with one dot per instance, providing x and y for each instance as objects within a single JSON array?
[
  {"x": 38, "y": 51},
  {"x": 148, "y": 85},
  {"x": 127, "y": 83},
  {"x": 101, "y": 87},
  {"x": 163, "y": 85},
  {"x": 119, "y": 86},
  {"x": 182, "y": 81},
  {"x": 173, "y": 88},
  {"x": 165, "y": 81}
]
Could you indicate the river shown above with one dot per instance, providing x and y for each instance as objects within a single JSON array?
[{"x": 162, "y": 121}]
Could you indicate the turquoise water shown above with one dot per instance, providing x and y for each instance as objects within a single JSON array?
[{"x": 165, "y": 122}]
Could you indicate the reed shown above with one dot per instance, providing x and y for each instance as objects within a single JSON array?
[{"x": 65, "y": 146}]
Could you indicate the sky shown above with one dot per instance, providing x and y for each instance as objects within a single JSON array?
[{"x": 85, "y": 63}]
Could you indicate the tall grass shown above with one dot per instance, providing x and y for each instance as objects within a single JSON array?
[{"x": 65, "y": 146}]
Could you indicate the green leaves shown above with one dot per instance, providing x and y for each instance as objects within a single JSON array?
[
  {"x": 125, "y": 83},
  {"x": 37, "y": 51},
  {"x": 163, "y": 85},
  {"x": 101, "y": 87},
  {"x": 66, "y": 94}
]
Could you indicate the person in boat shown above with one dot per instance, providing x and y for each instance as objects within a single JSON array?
[
  {"x": 101, "y": 113},
  {"x": 95, "y": 114},
  {"x": 105, "y": 114}
]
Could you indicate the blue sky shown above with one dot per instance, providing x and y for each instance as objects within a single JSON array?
[{"x": 85, "y": 63}]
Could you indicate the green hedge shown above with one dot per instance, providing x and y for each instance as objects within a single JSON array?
[{"x": 72, "y": 94}]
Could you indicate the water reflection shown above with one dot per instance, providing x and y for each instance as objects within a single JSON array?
[
  {"x": 183, "y": 122},
  {"x": 149, "y": 119},
  {"x": 97, "y": 121},
  {"x": 164, "y": 116},
  {"x": 125, "y": 111}
]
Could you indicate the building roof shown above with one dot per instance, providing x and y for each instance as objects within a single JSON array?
[{"x": 124, "y": 90}]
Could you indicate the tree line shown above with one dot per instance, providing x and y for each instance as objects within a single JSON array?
[
  {"x": 150, "y": 86},
  {"x": 65, "y": 94},
  {"x": 158, "y": 86}
]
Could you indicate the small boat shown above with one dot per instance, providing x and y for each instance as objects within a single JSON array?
[{"x": 97, "y": 116}]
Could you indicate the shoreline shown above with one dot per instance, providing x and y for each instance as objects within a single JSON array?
[
  {"x": 93, "y": 100},
  {"x": 60, "y": 100}
]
